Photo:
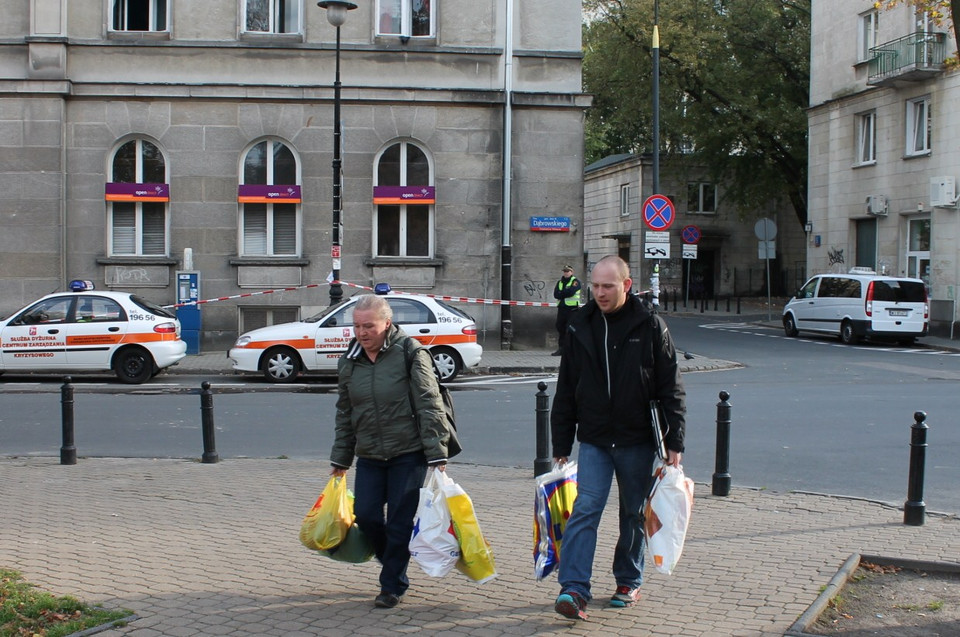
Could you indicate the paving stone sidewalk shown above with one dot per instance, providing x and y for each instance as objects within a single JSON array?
[{"x": 212, "y": 549}]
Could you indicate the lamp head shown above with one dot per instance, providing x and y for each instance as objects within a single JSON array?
[{"x": 337, "y": 10}]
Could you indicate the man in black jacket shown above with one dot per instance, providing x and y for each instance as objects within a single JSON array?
[{"x": 618, "y": 356}]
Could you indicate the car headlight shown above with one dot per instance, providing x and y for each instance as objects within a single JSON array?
[{"x": 243, "y": 341}]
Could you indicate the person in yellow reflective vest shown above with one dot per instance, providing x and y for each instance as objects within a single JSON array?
[{"x": 567, "y": 293}]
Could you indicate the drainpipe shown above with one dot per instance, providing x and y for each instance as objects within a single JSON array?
[{"x": 506, "y": 252}]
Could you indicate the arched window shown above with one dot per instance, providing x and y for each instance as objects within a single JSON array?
[
  {"x": 404, "y": 197},
  {"x": 137, "y": 198},
  {"x": 269, "y": 200}
]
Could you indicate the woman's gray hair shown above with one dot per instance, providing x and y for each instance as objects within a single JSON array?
[{"x": 376, "y": 303}]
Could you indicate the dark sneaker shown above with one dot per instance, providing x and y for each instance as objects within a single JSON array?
[
  {"x": 571, "y": 605},
  {"x": 625, "y": 596},
  {"x": 386, "y": 600}
]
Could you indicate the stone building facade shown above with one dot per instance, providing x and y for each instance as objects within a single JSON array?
[
  {"x": 884, "y": 150},
  {"x": 727, "y": 261},
  {"x": 142, "y": 138}
]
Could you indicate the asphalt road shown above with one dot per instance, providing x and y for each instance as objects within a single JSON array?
[{"x": 808, "y": 414}]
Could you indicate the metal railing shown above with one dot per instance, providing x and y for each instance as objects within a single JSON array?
[{"x": 920, "y": 51}]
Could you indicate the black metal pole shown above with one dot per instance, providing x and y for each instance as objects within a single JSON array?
[
  {"x": 543, "y": 463},
  {"x": 210, "y": 455},
  {"x": 336, "y": 291},
  {"x": 68, "y": 451},
  {"x": 721, "y": 475},
  {"x": 914, "y": 507},
  {"x": 676, "y": 293}
]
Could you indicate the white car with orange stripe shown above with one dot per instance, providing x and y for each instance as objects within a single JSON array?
[
  {"x": 281, "y": 352},
  {"x": 91, "y": 331}
]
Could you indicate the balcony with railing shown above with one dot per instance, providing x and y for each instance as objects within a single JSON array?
[{"x": 912, "y": 58}]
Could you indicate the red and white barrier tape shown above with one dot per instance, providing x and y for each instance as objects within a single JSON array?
[{"x": 455, "y": 299}]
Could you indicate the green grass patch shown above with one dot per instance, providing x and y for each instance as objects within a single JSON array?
[{"x": 27, "y": 611}]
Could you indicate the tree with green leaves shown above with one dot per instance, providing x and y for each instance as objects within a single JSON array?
[{"x": 734, "y": 88}]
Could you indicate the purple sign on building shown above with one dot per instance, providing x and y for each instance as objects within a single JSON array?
[
  {"x": 404, "y": 194},
  {"x": 260, "y": 193},
  {"x": 115, "y": 191}
]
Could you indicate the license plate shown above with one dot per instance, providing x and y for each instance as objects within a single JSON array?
[{"x": 899, "y": 312}]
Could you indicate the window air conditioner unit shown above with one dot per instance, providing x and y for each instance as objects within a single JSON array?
[
  {"x": 877, "y": 205},
  {"x": 943, "y": 192}
]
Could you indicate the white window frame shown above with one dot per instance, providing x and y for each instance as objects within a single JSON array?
[
  {"x": 406, "y": 19},
  {"x": 868, "y": 29},
  {"x": 152, "y": 18},
  {"x": 919, "y": 123},
  {"x": 274, "y": 17},
  {"x": 269, "y": 232},
  {"x": 702, "y": 187},
  {"x": 138, "y": 223},
  {"x": 866, "y": 139},
  {"x": 625, "y": 192},
  {"x": 918, "y": 258},
  {"x": 403, "y": 229}
]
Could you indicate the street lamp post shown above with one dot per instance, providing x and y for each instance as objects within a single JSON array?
[{"x": 336, "y": 15}]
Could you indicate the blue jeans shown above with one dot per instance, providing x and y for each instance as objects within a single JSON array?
[
  {"x": 596, "y": 467},
  {"x": 394, "y": 484}
]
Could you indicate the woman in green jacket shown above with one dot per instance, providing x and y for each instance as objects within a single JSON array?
[{"x": 390, "y": 416}]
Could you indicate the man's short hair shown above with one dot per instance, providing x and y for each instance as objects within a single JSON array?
[
  {"x": 376, "y": 303},
  {"x": 621, "y": 266}
]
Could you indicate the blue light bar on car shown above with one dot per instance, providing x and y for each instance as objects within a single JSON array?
[
  {"x": 381, "y": 288},
  {"x": 78, "y": 285}
]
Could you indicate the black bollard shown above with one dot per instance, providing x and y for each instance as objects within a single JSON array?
[
  {"x": 703, "y": 303},
  {"x": 210, "y": 455},
  {"x": 738, "y": 305},
  {"x": 728, "y": 305},
  {"x": 68, "y": 451},
  {"x": 676, "y": 293},
  {"x": 721, "y": 475},
  {"x": 543, "y": 462},
  {"x": 914, "y": 507},
  {"x": 715, "y": 301}
]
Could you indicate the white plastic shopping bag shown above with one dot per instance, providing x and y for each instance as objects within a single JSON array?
[
  {"x": 556, "y": 491},
  {"x": 433, "y": 544},
  {"x": 666, "y": 515}
]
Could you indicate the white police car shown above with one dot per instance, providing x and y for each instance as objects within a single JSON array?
[
  {"x": 281, "y": 352},
  {"x": 89, "y": 330}
]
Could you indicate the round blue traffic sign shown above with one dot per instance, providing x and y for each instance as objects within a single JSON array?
[
  {"x": 658, "y": 212},
  {"x": 690, "y": 234}
]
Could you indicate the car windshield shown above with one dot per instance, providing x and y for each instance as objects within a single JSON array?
[
  {"x": 893, "y": 290},
  {"x": 151, "y": 307},
  {"x": 454, "y": 310},
  {"x": 327, "y": 312}
]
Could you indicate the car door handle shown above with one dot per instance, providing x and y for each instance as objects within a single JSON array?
[
  {"x": 113, "y": 329},
  {"x": 53, "y": 331},
  {"x": 424, "y": 330}
]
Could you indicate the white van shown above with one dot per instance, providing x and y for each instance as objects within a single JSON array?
[{"x": 860, "y": 304}]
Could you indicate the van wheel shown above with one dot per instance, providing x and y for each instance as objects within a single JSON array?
[
  {"x": 847, "y": 333},
  {"x": 281, "y": 365},
  {"x": 133, "y": 365},
  {"x": 790, "y": 326}
]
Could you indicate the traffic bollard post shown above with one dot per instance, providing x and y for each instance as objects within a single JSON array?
[
  {"x": 210, "y": 455},
  {"x": 543, "y": 462},
  {"x": 721, "y": 475},
  {"x": 914, "y": 508},
  {"x": 68, "y": 450}
]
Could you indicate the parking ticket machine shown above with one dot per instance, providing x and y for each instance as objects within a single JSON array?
[{"x": 188, "y": 290}]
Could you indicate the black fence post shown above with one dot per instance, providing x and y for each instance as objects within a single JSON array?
[
  {"x": 543, "y": 462},
  {"x": 676, "y": 293},
  {"x": 721, "y": 475},
  {"x": 914, "y": 507},
  {"x": 715, "y": 301},
  {"x": 210, "y": 455},
  {"x": 728, "y": 305},
  {"x": 68, "y": 450},
  {"x": 738, "y": 305}
]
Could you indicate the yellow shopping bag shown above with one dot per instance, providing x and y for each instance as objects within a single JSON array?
[
  {"x": 476, "y": 558},
  {"x": 326, "y": 524}
]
